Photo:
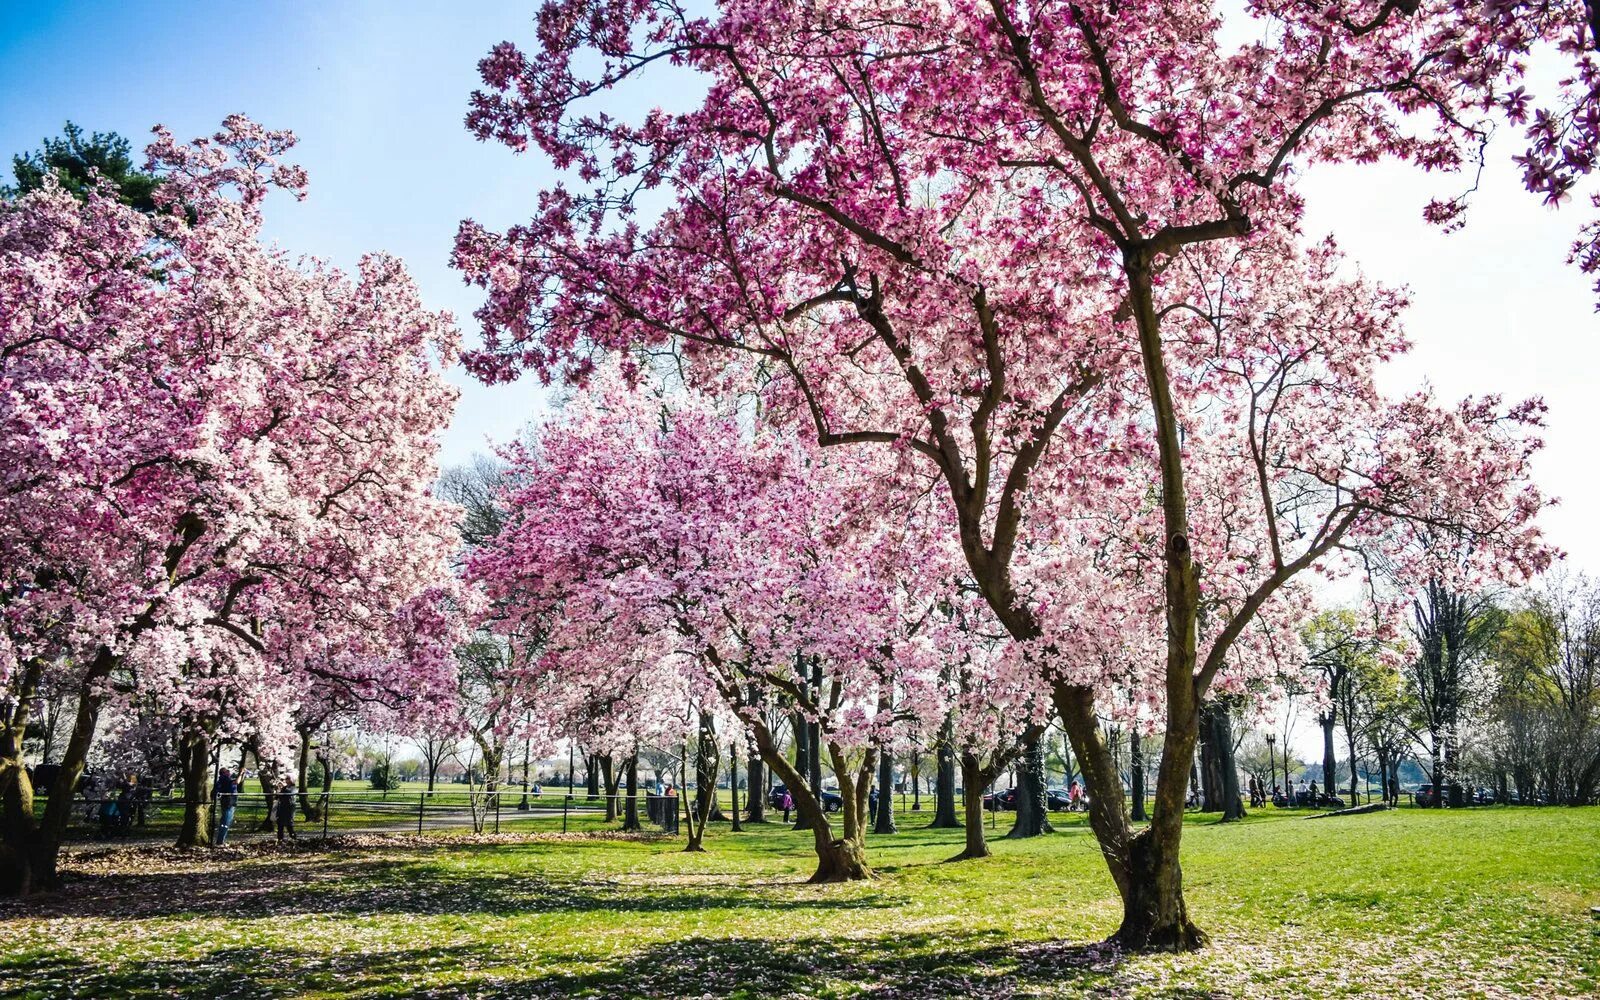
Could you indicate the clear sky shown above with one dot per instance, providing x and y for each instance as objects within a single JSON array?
[{"x": 376, "y": 91}]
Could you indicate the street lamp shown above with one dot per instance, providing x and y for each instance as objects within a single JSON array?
[{"x": 1272, "y": 760}]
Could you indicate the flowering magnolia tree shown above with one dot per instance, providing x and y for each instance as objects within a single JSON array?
[
  {"x": 218, "y": 467},
  {"x": 1046, "y": 256},
  {"x": 648, "y": 535}
]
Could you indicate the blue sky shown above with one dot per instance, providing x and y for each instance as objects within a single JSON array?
[{"x": 376, "y": 92}]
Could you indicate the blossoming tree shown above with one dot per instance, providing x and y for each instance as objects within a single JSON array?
[
  {"x": 1046, "y": 254},
  {"x": 218, "y": 463},
  {"x": 644, "y": 532}
]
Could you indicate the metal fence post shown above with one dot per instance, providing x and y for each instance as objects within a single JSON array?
[
  {"x": 327, "y": 803},
  {"x": 422, "y": 798},
  {"x": 564, "y": 800},
  {"x": 497, "y": 810}
]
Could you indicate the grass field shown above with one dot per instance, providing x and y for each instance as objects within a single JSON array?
[{"x": 1491, "y": 902}]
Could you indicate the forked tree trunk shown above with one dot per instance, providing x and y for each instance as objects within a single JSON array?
[
  {"x": 839, "y": 859},
  {"x": 195, "y": 758},
  {"x": 706, "y": 766},
  {"x": 1215, "y": 718},
  {"x": 30, "y": 850},
  {"x": 1143, "y": 864}
]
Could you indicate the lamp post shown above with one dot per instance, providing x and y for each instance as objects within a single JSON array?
[{"x": 1272, "y": 759}]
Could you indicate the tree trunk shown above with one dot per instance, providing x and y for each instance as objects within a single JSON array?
[
  {"x": 1144, "y": 864},
  {"x": 591, "y": 775},
  {"x": 1033, "y": 817},
  {"x": 733, "y": 787},
  {"x": 525, "y": 803},
  {"x": 916, "y": 780},
  {"x": 308, "y": 806},
  {"x": 705, "y": 770},
  {"x": 29, "y": 849},
  {"x": 802, "y": 762},
  {"x": 195, "y": 757},
  {"x": 1330, "y": 770},
  {"x": 838, "y": 859},
  {"x": 18, "y": 828},
  {"x": 1211, "y": 795},
  {"x": 1452, "y": 769},
  {"x": 1351, "y": 740},
  {"x": 1216, "y": 713},
  {"x": 1136, "y": 773},
  {"x": 630, "y": 810},
  {"x": 755, "y": 779},
  {"x": 944, "y": 782},
  {"x": 883, "y": 822},
  {"x": 609, "y": 776},
  {"x": 1437, "y": 772},
  {"x": 973, "y": 780}
]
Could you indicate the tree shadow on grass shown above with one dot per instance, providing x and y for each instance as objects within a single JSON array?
[
  {"x": 335, "y": 884},
  {"x": 884, "y": 968}
]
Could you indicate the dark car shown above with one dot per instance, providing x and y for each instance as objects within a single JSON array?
[
  {"x": 1058, "y": 799},
  {"x": 831, "y": 802},
  {"x": 1006, "y": 800},
  {"x": 1427, "y": 795}
]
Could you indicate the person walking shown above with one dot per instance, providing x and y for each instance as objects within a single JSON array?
[
  {"x": 788, "y": 804},
  {"x": 285, "y": 811},
  {"x": 227, "y": 796}
]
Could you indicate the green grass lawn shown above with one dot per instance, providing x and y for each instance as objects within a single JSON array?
[{"x": 1491, "y": 902}]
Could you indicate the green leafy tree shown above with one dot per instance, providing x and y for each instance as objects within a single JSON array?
[{"x": 75, "y": 158}]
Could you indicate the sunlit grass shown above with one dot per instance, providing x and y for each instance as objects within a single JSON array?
[{"x": 1479, "y": 903}]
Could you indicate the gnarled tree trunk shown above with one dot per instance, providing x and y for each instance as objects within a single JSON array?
[
  {"x": 1033, "y": 816},
  {"x": 839, "y": 859},
  {"x": 1143, "y": 864},
  {"x": 194, "y": 754},
  {"x": 30, "y": 850}
]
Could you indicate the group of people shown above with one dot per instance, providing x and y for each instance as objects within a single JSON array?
[
  {"x": 282, "y": 806},
  {"x": 122, "y": 806}
]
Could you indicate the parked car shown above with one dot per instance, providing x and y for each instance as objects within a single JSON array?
[
  {"x": 831, "y": 802},
  {"x": 1426, "y": 795},
  {"x": 1058, "y": 799},
  {"x": 1006, "y": 800}
]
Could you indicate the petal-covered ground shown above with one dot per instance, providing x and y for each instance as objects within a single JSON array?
[{"x": 1491, "y": 903}]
